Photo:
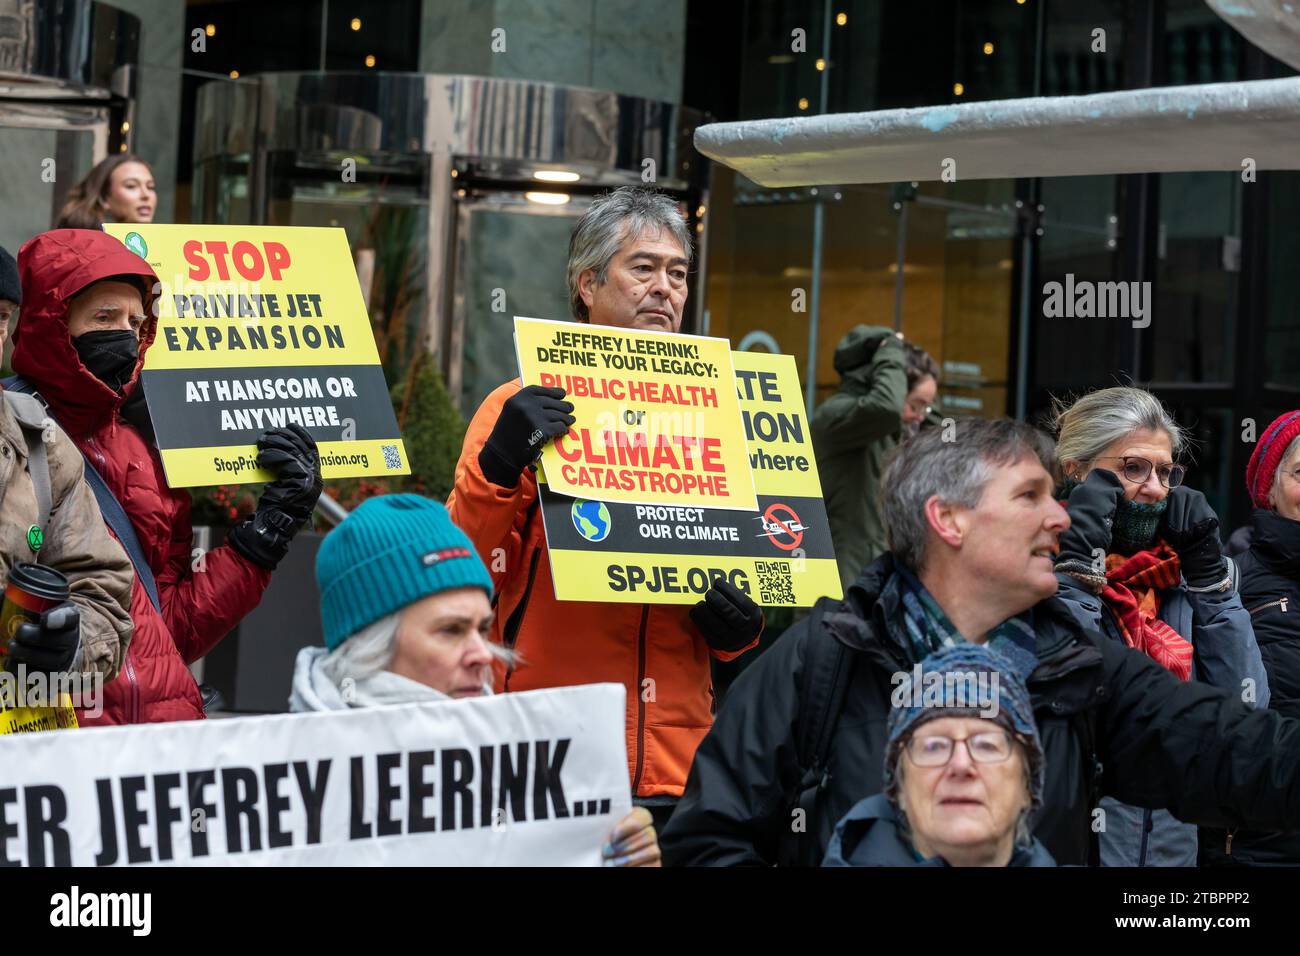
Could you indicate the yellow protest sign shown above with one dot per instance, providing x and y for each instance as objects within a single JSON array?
[
  {"x": 658, "y": 421},
  {"x": 780, "y": 554},
  {"x": 259, "y": 327},
  {"x": 26, "y": 720}
]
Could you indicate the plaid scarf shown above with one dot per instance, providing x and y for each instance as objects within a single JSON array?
[
  {"x": 1133, "y": 586},
  {"x": 929, "y": 630}
]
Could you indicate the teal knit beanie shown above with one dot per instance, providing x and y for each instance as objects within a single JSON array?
[{"x": 392, "y": 551}]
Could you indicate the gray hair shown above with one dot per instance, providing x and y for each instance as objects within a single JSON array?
[
  {"x": 370, "y": 650},
  {"x": 363, "y": 654},
  {"x": 1285, "y": 461},
  {"x": 1093, "y": 423},
  {"x": 955, "y": 471},
  {"x": 608, "y": 223}
]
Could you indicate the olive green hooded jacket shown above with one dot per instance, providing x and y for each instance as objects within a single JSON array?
[{"x": 853, "y": 433}]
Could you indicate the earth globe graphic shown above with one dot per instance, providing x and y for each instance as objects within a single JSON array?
[{"x": 591, "y": 519}]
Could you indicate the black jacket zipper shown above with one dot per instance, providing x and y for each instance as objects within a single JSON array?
[
  {"x": 1280, "y": 601},
  {"x": 510, "y": 633},
  {"x": 640, "y": 700},
  {"x": 514, "y": 623}
]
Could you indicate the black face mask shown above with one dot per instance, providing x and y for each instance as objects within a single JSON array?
[{"x": 110, "y": 356}]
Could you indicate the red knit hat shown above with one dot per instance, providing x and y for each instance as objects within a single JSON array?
[{"x": 1268, "y": 455}]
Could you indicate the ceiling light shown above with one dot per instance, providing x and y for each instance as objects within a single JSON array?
[
  {"x": 555, "y": 176},
  {"x": 547, "y": 199}
]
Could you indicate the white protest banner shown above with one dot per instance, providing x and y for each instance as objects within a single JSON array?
[{"x": 532, "y": 778}]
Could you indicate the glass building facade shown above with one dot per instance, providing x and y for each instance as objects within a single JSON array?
[{"x": 960, "y": 267}]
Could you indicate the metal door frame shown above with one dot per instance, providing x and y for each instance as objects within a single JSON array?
[
  {"x": 507, "y": 199},
  {"x": 64, "y": 119}
]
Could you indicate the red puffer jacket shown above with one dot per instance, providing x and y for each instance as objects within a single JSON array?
[{"x": 198, "y": 608}]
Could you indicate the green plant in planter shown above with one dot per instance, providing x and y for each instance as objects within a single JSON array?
[
  {"x": 223, "y": 506},
  {"x": 431, "y": 425},
  {"x": 429, "y": 422},
  {"x": 432, "y": 429},
  {"x": 396, "y": 235}
]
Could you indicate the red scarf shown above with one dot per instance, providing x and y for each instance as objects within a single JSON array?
[{"x": 1133, "y": 591}]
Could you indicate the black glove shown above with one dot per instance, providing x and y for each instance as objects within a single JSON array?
[
  {"x": 529, "y": 418},
  {"x": 286, "y": 503},
  {"x": 49, "y": 647},
  {"x": 1091, "y": 507},
  {"x": 291, "y": 453},
  {"x": 1192, "y": 529},
  {"x": 727, "y": 618}
]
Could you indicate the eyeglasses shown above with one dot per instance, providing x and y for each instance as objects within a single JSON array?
[
  {"x": 1138, "y": 470},
  {"x": 993, "y": 746},
  {"x": 919, "y": 409}
]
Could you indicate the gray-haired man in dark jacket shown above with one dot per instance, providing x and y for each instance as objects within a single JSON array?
[{"x": 973, "y": 529}]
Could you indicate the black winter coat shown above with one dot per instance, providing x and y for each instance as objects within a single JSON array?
[
  {"x": 1112, "y": 723},
  {"x": 1270, "y": 591}
]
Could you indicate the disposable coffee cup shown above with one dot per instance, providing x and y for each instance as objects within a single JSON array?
[{"x": 32, "y": 590}]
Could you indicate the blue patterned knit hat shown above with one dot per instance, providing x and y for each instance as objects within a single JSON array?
[
  {"x": 392, "y": 551},
  {"x": 917, "y": 701}
]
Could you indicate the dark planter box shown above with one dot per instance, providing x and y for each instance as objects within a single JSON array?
[{"x": 253, "y": 665}]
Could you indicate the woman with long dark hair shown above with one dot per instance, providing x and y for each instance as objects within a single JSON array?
[{"x": 119, "y": 189}]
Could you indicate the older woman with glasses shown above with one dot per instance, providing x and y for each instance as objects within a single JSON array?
[
  {"x": 1142, "y": 563},
  {"x": 963, "y": 772}
]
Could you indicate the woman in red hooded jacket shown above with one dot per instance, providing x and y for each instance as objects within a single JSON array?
[{"x": 87, "y": 322}]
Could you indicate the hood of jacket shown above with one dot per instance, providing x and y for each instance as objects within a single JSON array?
[
  {"x": 314, "y": 689},
  {"x": 1276, "y": 541},
  {"x": 856, "y": 350},
  {"x": 869, "y": 836},
  {"x": 54, "y": 267}
]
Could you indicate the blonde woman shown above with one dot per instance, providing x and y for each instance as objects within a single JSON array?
[{"x": 1142, "y": 563}]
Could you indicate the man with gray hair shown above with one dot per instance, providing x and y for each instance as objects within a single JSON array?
[
  {"x": 628, "y": 262},
  {"x": 973, "y": 530}
]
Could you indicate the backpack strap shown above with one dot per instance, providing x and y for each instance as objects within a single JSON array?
[
  {"x": 821, "y": 694},
  {"x": 114, "y": 514},
  {"x": 827, "y": 667},
  {"x": 116, "y": 518}
]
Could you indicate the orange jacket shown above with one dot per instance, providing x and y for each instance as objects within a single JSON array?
[{"x": 655, "y": 651}]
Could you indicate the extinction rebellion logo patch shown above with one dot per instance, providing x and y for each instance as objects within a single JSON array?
[{"x": 135, "y": 242}]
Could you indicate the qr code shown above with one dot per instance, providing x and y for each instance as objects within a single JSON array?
[
  {"x": 774, "y": 583},
  {"x": 392, "y": 457}
]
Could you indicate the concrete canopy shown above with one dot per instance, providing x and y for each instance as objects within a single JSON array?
[
  {"x": 1272, "y": 25},
  {"x": 1167, "y": 129}
]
